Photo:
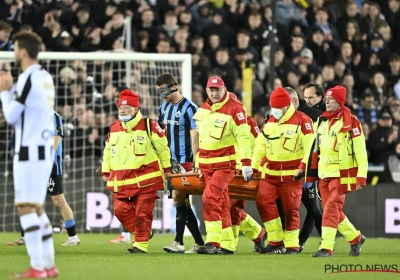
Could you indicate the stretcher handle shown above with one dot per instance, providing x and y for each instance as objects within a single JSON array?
[{"x": 195, "y": 174}]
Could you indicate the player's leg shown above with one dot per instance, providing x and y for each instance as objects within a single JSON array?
[
  {"x": 48, "y": 244},
  {"x": 19, "y": 242},
  {"x": 179, "y": 199},
  {"x": 193, "y": 226},
  {"x": 69, "y": 222},
  {"x": 55, "y": 190},
  {"x": 30, "y": 192}
]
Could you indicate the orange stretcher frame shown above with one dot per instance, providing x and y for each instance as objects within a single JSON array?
[{"x": 238, "y": 188}]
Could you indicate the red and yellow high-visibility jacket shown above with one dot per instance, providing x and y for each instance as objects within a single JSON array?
[
  {"x": 253, "y": 130},
  {"x": 132, "y": 160},
  {"x": 282, "y": 146},
  {"x": 339, "y": 151},
  {"x": 222, "y": 126}
]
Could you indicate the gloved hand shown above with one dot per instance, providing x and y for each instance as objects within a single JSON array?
[
  {"x": 199, "y": 172},
  {"x": 247, "y": 172},
  {"x": 175, "y": 167},
  {"x": 307, "y": 185}
]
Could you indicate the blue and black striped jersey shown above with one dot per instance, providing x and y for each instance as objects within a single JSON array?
[
  {"x": 58, "y": 131},
  {"x": 177, "y": 120}
]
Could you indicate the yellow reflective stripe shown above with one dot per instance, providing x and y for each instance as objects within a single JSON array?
[
  {"x": 134, "y": 180},
  {"x": 291, "y": 238},
  {"x": 216, "y": 159},
  {"x": 274, "y": 230},
  {"x": 223, "y": 143},
  {"x": 347, "y": 229},
  {"x": 227, "y": 239},
  {"x": 328, "y": 238},
  {"x": 235, "y": 230},
  {"x": 276, "y": 156},
  {"x": 214, "y": 230},
  {"x": 250, "y": 228},
  {"x": 144, "y": 246},
  {"x": 278, "y": 172}
]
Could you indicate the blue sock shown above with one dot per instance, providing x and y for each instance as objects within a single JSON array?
[{"x": 70, "y": 226}]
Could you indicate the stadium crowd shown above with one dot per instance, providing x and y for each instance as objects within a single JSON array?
[{"x": 351, "y": 43}]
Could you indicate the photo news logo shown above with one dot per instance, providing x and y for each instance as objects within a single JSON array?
[{"x": 346, "y": 268}]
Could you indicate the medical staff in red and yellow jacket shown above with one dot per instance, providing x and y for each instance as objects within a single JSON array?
[
  {"x": 135, "y": 159},
  {"x": 241, "y": 221},
  {"x": 281, "y": 150},
  {"x": 339, "y": 157},
  {"x": 222, "y": 124}
]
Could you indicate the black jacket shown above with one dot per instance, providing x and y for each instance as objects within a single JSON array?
[
  {"x": 320, "y": 106},
  {"x": 313, "y": 113}
]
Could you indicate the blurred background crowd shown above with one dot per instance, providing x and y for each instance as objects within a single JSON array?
[{"x": 351, "y": 43}]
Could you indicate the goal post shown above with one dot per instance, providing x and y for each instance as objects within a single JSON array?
[{"x": 85, "y": 83}]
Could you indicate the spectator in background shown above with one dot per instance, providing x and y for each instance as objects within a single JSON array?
[
  {"x": 85, "y": 137},
  {"x": 367, "y": 112},
  {"x": 308, "y": 69},
  {"x": 394, "y": 106},
  {"x": 352, "y": 15},
  {"x": 393, "y": 76},
  {"x": 170, "y": 26},
  {"x": 393, "y": 18},
  {"x": 353, "y": 99},
  {"x": 218, "y": 26},
  {"x": 374, "y": 19},
  {"x": 228, "y": 72},
  {"x": 331, "y": 37},
  {"x": 382, "y": 140},
  {"x": 5, "y": 32},
  {"x": 379, "y": 90},
  {"x": 391, "y": 173},
  {"x": 287, "y": 11}
]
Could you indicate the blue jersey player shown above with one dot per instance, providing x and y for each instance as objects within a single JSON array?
[{"x": 176, "y": 117}]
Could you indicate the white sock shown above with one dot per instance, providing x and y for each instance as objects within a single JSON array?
[
  {"x": 127, "y": 235},
  {"x": 48, "y": 243},
  {"x": 33, "y": 239}
]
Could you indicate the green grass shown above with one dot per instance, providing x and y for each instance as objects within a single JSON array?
[{"x": 97, "y": 260}]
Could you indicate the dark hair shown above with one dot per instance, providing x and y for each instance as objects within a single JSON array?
[
  {"x": 165, "y": 79},
  {"x": 121, "y": 89},
  {"x": 29, "y": 41},
  {"x": 319, "y": 90}
]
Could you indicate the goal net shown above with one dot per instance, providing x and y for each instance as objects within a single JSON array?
[{"x": 85, "y": 85}]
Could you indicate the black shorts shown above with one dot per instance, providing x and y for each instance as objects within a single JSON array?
[{"x": 54, "y": 186}]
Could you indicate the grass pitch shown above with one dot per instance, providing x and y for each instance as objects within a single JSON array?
[{"x": 97, "y": 260}]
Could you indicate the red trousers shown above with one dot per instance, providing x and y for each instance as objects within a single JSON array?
[
  {"x": 136, "y": 214},
  {"x": 216, "y": 202},
  {"x": 290, "y": 194},
  {"x": 237, "y": 212},
  {"x": 332, "y": 202}
]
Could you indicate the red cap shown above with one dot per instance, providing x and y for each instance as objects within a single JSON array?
[
  {"x": 215, "y": 82},
  {"x": 128, "y": 97},
  {"x": 279, "y": 98},
  {"x": 338, "y": 93}
]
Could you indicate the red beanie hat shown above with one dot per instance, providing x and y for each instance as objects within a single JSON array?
[
  {"x": 128, "y": 97},
  {"x": 279, "y": 98},
  {"x": 338, "y": 93}
]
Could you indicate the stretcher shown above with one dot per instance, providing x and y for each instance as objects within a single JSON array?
[{"x": 238, "y": 188}]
